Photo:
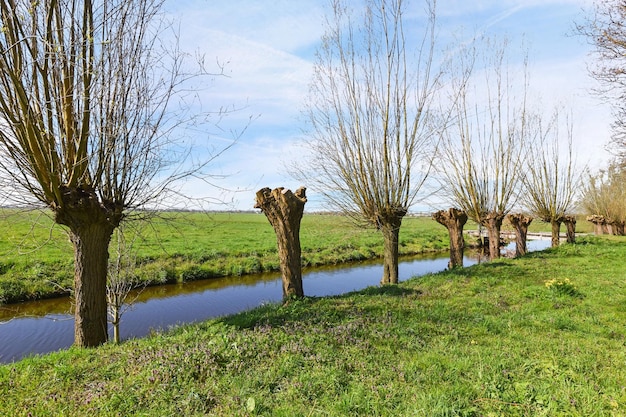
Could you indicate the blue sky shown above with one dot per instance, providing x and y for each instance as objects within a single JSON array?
[{"x": 268, "y": 50}]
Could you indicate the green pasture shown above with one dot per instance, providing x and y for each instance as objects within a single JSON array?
[{"x": 36, "y": 258}]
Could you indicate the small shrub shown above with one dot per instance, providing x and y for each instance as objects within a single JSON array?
[{"x": 156, "y": 273}]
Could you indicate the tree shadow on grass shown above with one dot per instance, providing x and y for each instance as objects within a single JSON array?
[
  {"x": 492, "y": 265},
  {"x": 328, "y": 309},
  {"x": 388, "y": 290}
]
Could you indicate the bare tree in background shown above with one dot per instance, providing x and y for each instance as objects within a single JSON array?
[
  {"x": 604, "y": 199},
  {"x": 89, "y": 97},
  {"x": 370, "y": 109},
  {"x": 551, "y": 180},
  {"x": 605, "y": 30},
  {"x": 482, "y": 155}
]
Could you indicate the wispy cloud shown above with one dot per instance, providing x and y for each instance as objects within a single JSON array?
[{"x": 268, "y": 52}]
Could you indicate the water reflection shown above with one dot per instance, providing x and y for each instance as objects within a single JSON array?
[{"x": 45, "y": 326}]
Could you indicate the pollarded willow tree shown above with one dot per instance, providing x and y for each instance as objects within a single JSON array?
[
  {"x": 482, "y": 154},
  {"x": 604, "y": 199},
  {"x": 284, "y": 210},
  {"x": 87, "y": 93},
  {"x": 550, "y": 178},
  {"x": 370, "y": 109}
]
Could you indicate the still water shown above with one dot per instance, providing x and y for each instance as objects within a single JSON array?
[{"x": 45, "y": 326}]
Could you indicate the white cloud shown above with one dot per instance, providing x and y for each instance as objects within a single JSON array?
[
  {"x": 285, "y": 24},
  {"x": 268, "y": 48},
  {"x": 257, "y": 43},
  {"x": 448, "y": 8}
]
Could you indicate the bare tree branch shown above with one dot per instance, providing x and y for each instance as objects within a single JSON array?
[
  {"x": 605, "y": 30},
  {"x": 372, "y": 113},
  {"x": 96, "y": 103},
  {"x": 481, "y": 157},
  {"x": 551, "y": 179}
]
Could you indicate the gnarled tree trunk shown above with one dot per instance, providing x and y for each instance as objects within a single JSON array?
[
  {"x": 598, "y": 223},
  {"x": 493, "y": 224},
  {"x": 90, "y": 239},
  {"x": 91, "y": 257},
  {"x": 284, "y": 211},
  {"x": 391, "y": 233},
  {"x": 556, "y": 231},
  {"x": 91, "y": 225},
  {"x": 520, "y": 223},
  {"x": 570, "y": 227},
  {"x": 454, "y": 220}
]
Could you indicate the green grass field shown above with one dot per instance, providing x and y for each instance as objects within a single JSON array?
[
  {"x": 542, "y": 335},
  {"x": 36, "y": 258}
]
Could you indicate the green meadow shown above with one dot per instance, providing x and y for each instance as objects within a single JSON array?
[
  {"x": 543, "y": 335},
  {"x": 36, "y": 258}
]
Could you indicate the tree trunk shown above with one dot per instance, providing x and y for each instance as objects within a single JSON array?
[
  {"x": 91, "y": 225},
  {"x": 454, "y": 220},
  {"x": 570, "y": 225},
  {"x": 520, "y": 222},
  {"x": 284, "y": 211},
  {"x": 556, "y": 231},
  {"x": 615, "y": 228},
  {"x": 598, "y": 222},
  {"x": 91, "y": 257},
  {"x": 493, "y": 224},
  {"x": 115, "y": 321},
  {"x": 391, "y": 233}
]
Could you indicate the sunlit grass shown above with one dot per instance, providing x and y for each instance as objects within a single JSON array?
[
  {"x": 489, "y": 340},
  {"x": 36, "y": 258}
]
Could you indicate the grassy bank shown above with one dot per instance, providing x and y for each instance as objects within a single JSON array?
[
  {"x": 36, "y": 258},
  {"x": 538, "y": 336}
]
